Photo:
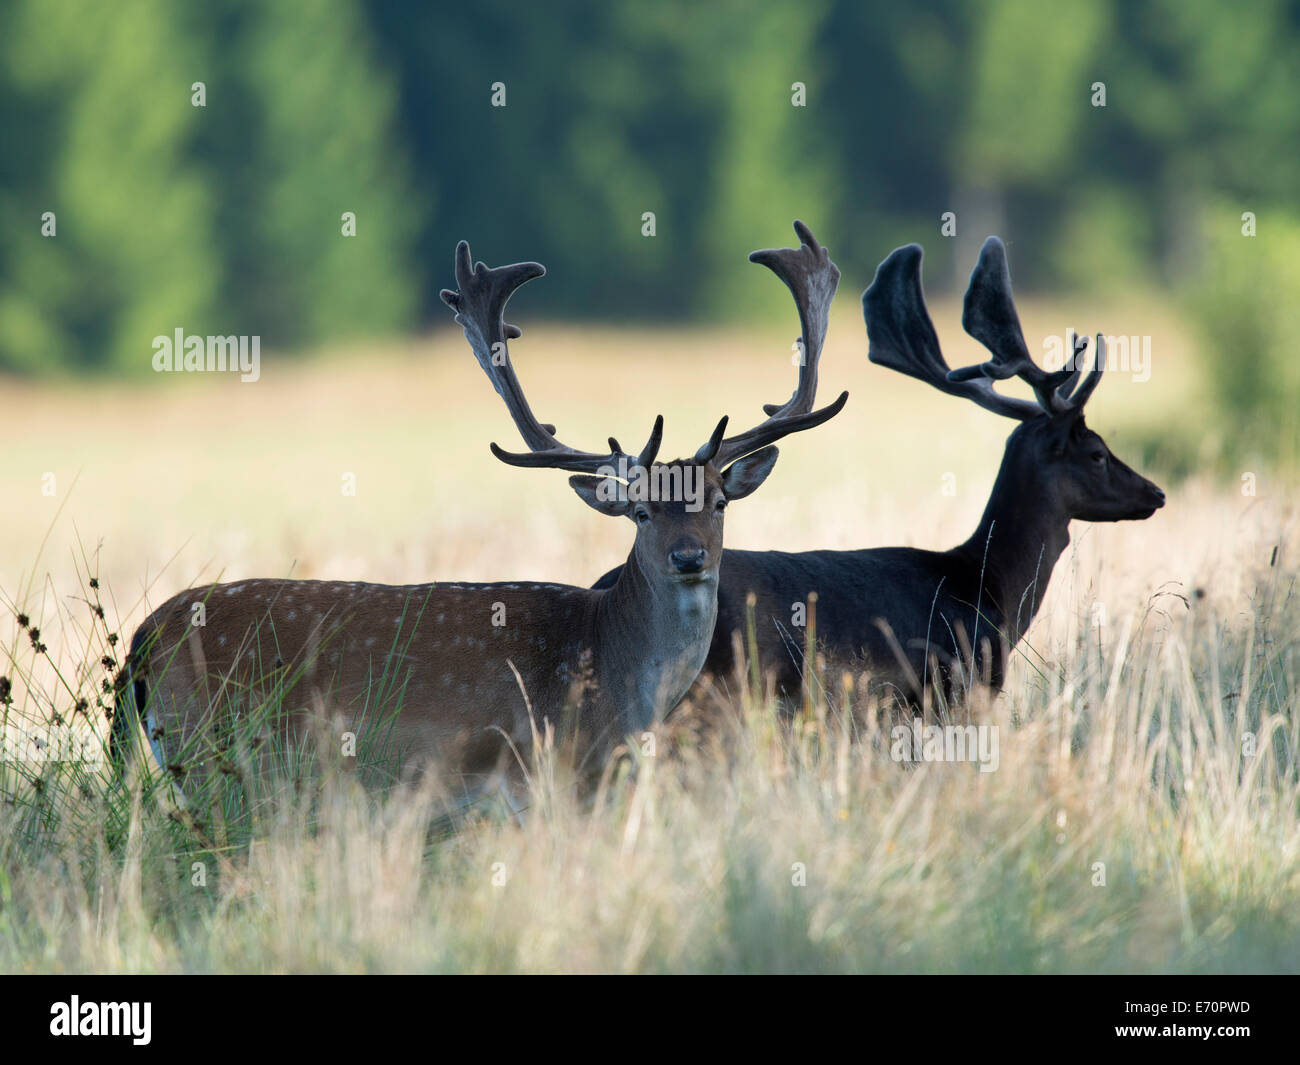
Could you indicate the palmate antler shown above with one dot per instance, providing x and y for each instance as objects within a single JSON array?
[
  {"x": 812, "y": 279},
  {"x": 989, "y": 315},
  {"x": 479, "y": 302},
  {"x": 902, "y": 337}
]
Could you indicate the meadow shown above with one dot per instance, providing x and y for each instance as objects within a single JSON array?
[{"x": 1144, "y": 815}]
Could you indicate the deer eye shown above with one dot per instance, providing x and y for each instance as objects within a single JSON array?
[
  {"x": 642, "y": 516},
  {"x": 1099, "y": 457},
  {"x": 720, "y": 505}
]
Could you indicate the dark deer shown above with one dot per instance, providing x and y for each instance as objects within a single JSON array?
[
  {"x": 479, "y": 667},
  {"x": 918, "y": 618}
]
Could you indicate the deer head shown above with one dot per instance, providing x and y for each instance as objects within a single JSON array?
[
  {"x": 1065, "y": 466},
  {"x": 678, "y": 506}
]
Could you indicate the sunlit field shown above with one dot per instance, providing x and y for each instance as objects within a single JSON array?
[{"x": 1143, "y": 815}]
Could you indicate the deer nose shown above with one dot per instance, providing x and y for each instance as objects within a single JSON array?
[{"x": 688, "y": 561}]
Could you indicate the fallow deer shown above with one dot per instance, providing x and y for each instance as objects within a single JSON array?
[
  {"x": 476, "y": 668},
  {"x": 899, "y": 611}
]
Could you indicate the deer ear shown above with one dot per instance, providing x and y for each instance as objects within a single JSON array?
[
  {"x": 745, "y": 475},
  {"x": 605, "y": 494}
]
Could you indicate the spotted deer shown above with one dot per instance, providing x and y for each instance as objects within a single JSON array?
[
  {"x": 477, "y": 668},
  {"x": 916, "y": 619}
]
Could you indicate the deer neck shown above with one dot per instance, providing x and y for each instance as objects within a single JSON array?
[
  {"x": 655, "y": 634},
  {"x": 1019, "y": 539}
]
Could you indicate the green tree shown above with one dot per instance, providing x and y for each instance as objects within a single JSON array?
[
  {"x": 110, "y": 131},
  {"x": 303, "y": 133}
]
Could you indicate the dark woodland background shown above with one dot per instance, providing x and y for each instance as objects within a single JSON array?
[{"x": 226, "y": 218}]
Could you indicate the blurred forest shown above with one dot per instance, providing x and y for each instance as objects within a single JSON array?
[{"x": 1115, "y": 145}]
